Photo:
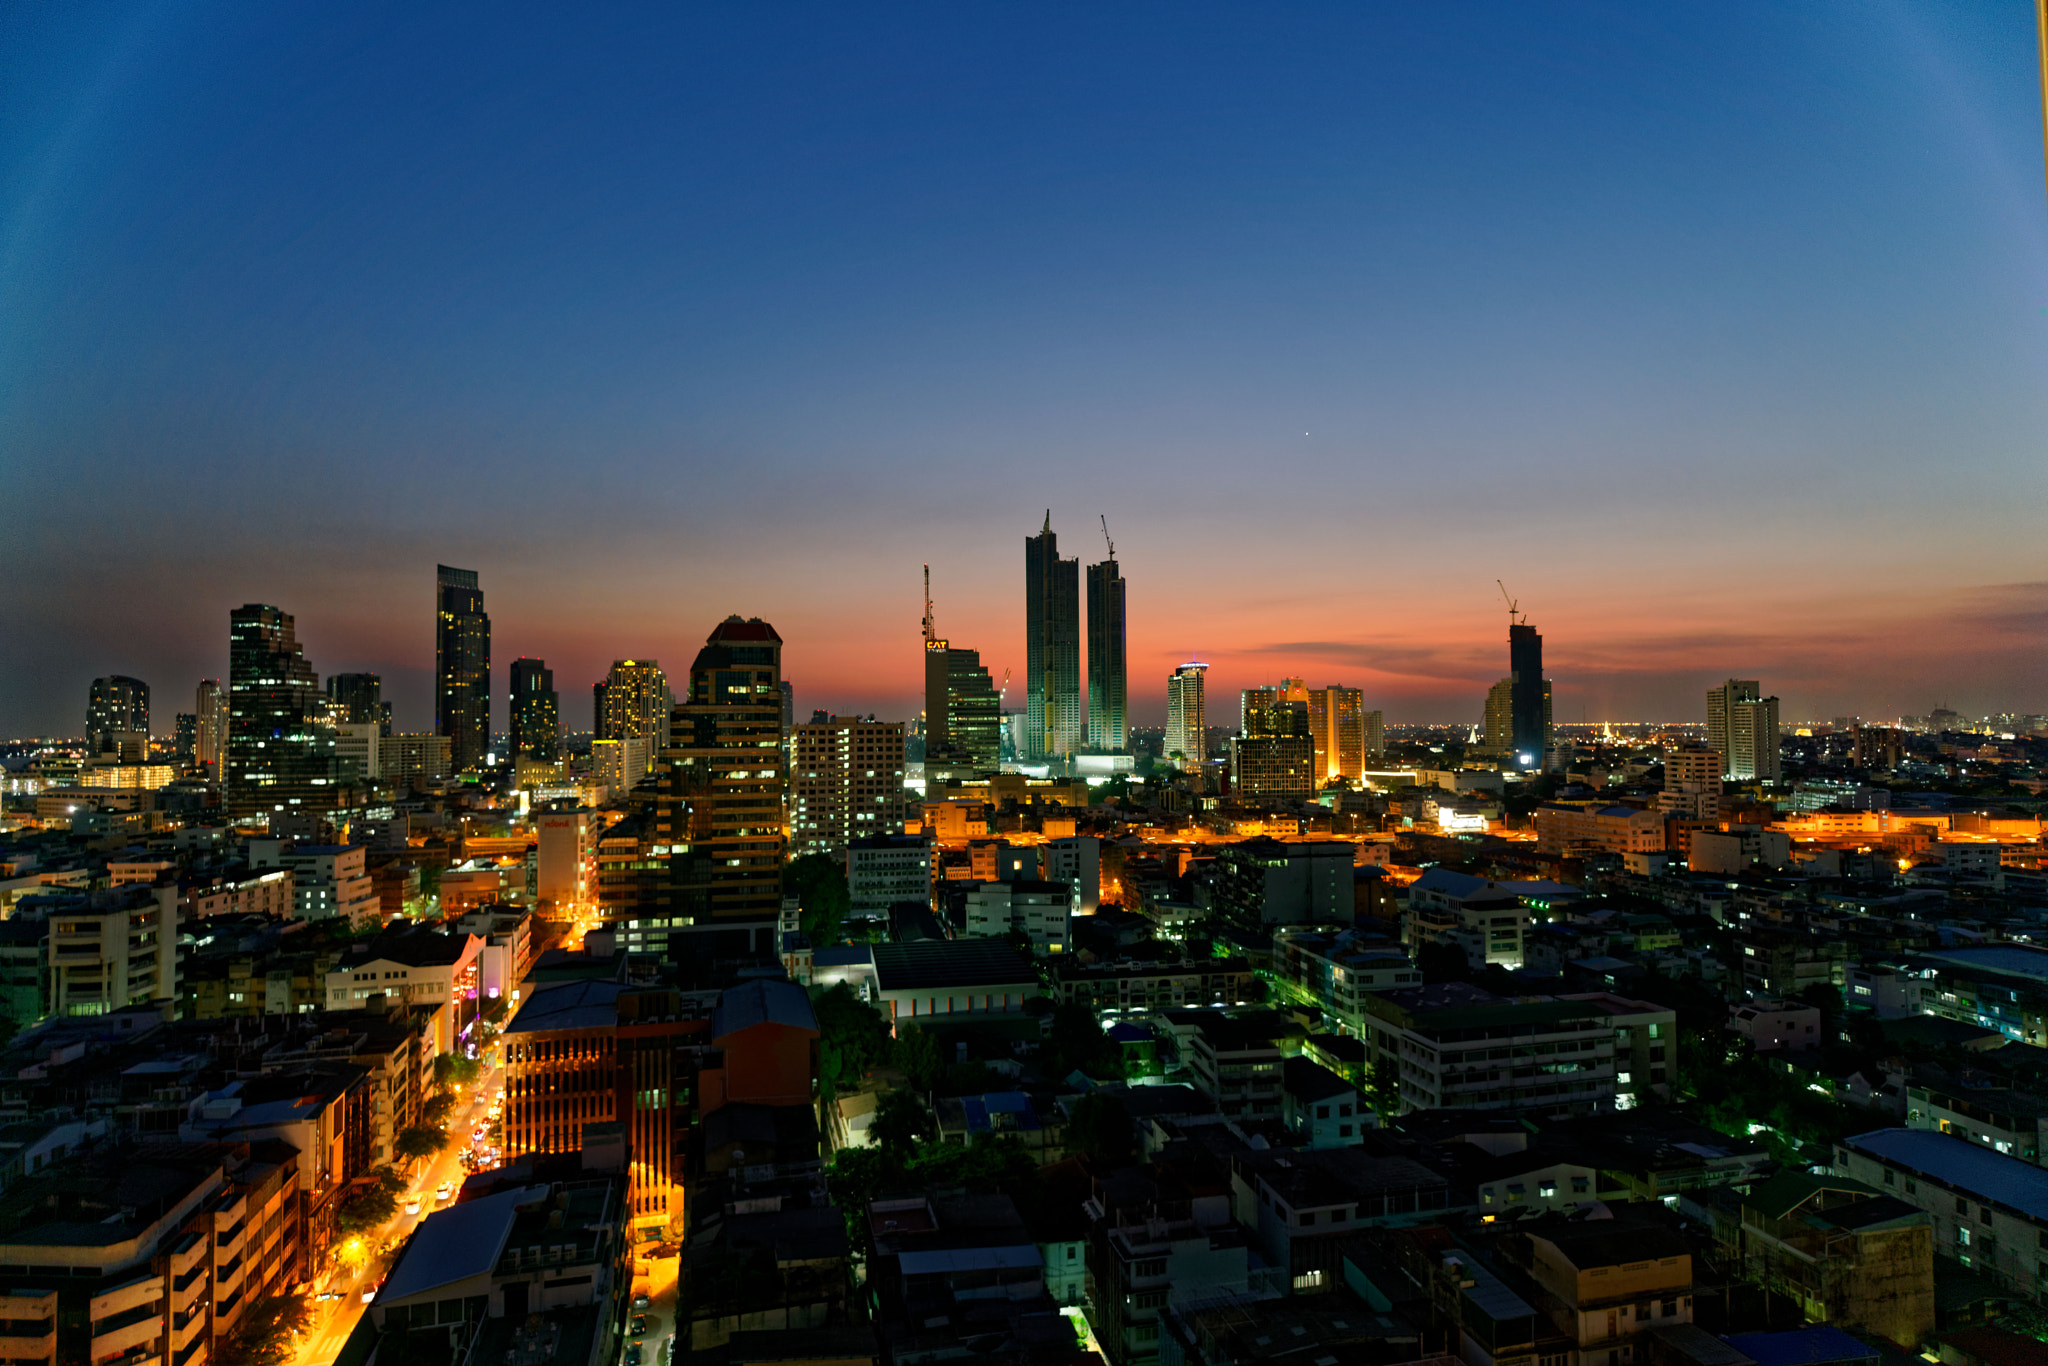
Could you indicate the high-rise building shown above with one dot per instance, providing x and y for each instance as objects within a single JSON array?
[
  {"x": 1528, "y": 695},
  {"x": 1375, "y": 727},
  {"x": 1109, "y": 722},
  {"x": 410, "y": 759},
  {"x": 1743, "y": 725},
  {"x": 961, "y": 725},
  {"x": 1270, "y": 711},
  {"x": 117, "y": 706},
  {"x": 721, "y": 787},
  {"x": 210, "y": 704},
  {"x": 536, "y": 709},
  {"x": 359, "y": 699},
  {"x": 1336, "y": 722},
  {"x": 1500, "y": 723},
  {"x": 1055, "y": 726},
  {"x": 188, "y": 738},
  {"x": 1272, "y": 767},
  {"x": 1692, "y": 782},
  {"x": 846, "y": 783},
  {"x": 462, "y": 666},
  {"x": 1187, "y": 719},
  {"x": 280, "y": 758},
  {"x": 634, "y": 702}
]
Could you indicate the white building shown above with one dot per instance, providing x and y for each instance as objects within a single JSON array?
[
  {"x": 1076, "y": 861},
  {"x": 328, "y": 880},
  {"x": 885, "y": 869},
  {"x": 1043, "y": 911},
  {"x": 566, "y": 860}
]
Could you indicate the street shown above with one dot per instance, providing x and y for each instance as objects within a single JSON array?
[{"x": 334, "y": 1319}]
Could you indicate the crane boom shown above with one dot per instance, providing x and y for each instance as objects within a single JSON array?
[
  {"x": 1105, "y": 535},
  {"x": 927, "y": 604},
  {"x": 1510, "y": 601}
]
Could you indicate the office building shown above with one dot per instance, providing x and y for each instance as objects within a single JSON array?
[
  {"x": 359, "y": 699},
  {"x": 721, "y": 789},
  {"x": 462, "y": 666},
  {"x": 962, "y": 727},
  {"x": 1337, "y": 724},
  {"x": 280, "y": 758},
  {"x": 187, "y": 734},
  {"x": 846, "y": 783},
  {"x": 118, "y": 706},
  {"x": 1187, "y": 720},
  {"x": 1743, "y": 725},
  {"x": 1274, "y": 711},
  {"x": 634, "y": 703},
  {"x": 536, "y": 710},
  {"x": 621, "y": 765},
  {"x": 1272, "y": 768},
  {"x": 210, "y": 704},
  {"x": 1374, "y": 727},
  {"x": 1109, "y": 722},
  {"x": 111, "y": 949},
  {"x": 1424, "y": 1036},
  {"x": 882, "y": 870},
  {"x": 1054, "y": 726}
]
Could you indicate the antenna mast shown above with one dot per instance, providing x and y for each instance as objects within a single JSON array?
[
  {"x": 1510, "y": 601},
  {"x": 927, "y": 604},
  {"x": 1105, "y": 535}
]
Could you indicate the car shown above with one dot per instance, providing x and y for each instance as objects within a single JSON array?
[
  {"x": 328, "y": 1295},
  {"x": 640, "y": 1302},
  {"x": 369, "y": 1293},
  {"x": 633, "y": 1355},
  {"x": 638, "y": 1326},
  {"x": 412, "y": 1206}
]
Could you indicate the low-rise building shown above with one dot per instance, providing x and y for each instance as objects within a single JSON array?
[
  {"x": 1777, "y": 1026},
  {"x": 1989, "y": 1211},
  {"x": 1454, "y": 1045},
  {"x": 934, "y": 981},
  {"x": 882, "y": 870},
  {"x": 1042, "y": 912},
  {"x": 1138, "y": 985}
]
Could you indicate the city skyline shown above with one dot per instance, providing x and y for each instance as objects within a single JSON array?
[{"x": 1719, "y": 335}]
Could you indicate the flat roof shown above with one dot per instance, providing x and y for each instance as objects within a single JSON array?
[
  {"x": 2007, "y": 960},
  {"x": 1991, "y": 1177},
  {"x": 567, "y": 1005},
  {"x": 949, "y": 963}
]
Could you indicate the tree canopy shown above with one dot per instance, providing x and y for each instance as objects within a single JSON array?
[
  {"x": 1101, "y": 1127},
  {"x": 853, "y": 1038},
  {"x": 917, "y": 1053},
  {"x": 418, "y": 1141},
  {"x": 818, "y": 882}
]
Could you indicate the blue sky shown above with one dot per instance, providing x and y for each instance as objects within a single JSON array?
[{"x": 1717, "y": 333}]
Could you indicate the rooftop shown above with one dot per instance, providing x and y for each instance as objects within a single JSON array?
[
  {"x": 950, "y": 963},
  {"x": 457, "y": 1243},
  {"x": 567, "y": 1005},
  {"x": 1991, "y": 1177},
  {"x": 762, "y": 1002}
]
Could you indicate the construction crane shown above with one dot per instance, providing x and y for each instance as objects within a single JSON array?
[
  {"x": 927, "y": 604},
  {"x": 1002, "y": 692},
  {"x": 1510, "y": 601},
  {"x": 1105, "y": 535}
]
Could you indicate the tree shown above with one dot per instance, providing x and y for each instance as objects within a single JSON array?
[
  {"x": 366, "y": 1208},
  {"x": 1078, "y": 1044},
  {"x": 1101, "y": 1127},
  {"x": 418, "y": 1141},
  {"x": 917, "y": 1053},
  {"x": 853, "y": 1038},
  {"x": 900, "y": 1121},
  {"x": 264, "y": 1337},
  {"x": 437, "y": 1107},
  {"x": 818, "y": 882},
  {"x": 455, "y": 1070},
  {"x": 1383, "y": 1089}
]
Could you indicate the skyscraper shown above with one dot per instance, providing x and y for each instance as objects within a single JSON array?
[
  {"x": 1500, "y": 721},
  {"x": 118, "y": 705},
  {"x": 536, "y": 709},
  {"x": 1528, "y": 695},
  {"x": 210, "y": 704},
  {"x": 361, "y": 700},
  {"x": 634, "y": 702},
  {"x": 1109, "y": 725},
  {"x": 1187, "y": 721},
  {"x": 188, "y": 737},
  {"x": 1337, "y": 723},
  {"x": 280, "y": 760},
  {"x": 1743, "y": 725},
  {"x": 721, "y": 790},
  {"x": 1054, "y": 725},
  {"x": 462, "y": 666},
  {"x": 961, "y": 725}
]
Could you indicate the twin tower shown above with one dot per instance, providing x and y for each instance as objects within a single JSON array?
[{"x": 1055, "y": 726}]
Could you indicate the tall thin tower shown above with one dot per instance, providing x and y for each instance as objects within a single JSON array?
[
  {"x": 462, "y": 666},
  {"x": 1109, "y": 726},
  {"x": 1054, "y": 725}
]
